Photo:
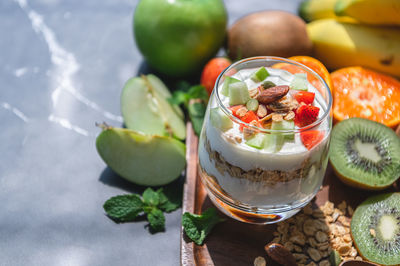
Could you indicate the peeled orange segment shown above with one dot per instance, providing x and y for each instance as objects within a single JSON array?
[
  {"x": 359, "y": 92},
  {"x": 312, "y": 63}
]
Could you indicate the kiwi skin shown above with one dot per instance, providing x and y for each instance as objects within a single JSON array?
[
  {"x": 351, "y": 227},
  {"x": 355, "y": 184}
]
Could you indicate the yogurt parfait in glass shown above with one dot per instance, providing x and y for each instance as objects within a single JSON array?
[{"x": 263, "y": 149}]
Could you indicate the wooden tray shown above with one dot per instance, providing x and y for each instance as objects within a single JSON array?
[{"x": 233, "y": 242}]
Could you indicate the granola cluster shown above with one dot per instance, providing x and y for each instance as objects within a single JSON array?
[
  {"x": 314, "y": 233},
  {"x": 264, "y": 177},
  {"x": 278, "y": 110}
]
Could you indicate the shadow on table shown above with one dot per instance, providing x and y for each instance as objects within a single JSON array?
[{"x": 110, "y": 178}]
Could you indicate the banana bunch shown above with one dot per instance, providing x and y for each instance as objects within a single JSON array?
[{"x": 355, "y": 32}]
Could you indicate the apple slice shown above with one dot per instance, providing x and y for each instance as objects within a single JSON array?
[
  {"x": 160, "y": 87},
  {"x": 299, "y": 82},
  {"x": 145, "y": 108},
  {"x": 274, "y": 141},
  {"x": 257, "y": 141},
  {"x": 225, "y": 86},
  {"x": 220, "y": 120},
  {"x": 142, "y": 159},
  {"x": 238, "y": 93},
  {"x": 260, "y": 74}
]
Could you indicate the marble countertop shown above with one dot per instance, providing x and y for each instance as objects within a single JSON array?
[{"x": 62, "y": 67}]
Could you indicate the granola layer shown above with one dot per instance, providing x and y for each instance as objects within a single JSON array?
[{"x": 265, "y": 177}]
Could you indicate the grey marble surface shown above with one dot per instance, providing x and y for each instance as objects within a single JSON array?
[{"x": 62, "y": 67}]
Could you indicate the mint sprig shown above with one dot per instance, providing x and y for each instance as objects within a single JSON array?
[
  {"x": 185, "y": 93},
  {"x": 194, "y": 99},
  {"x": 197, "y": 227},
  {"x": 126, "y": 208}
]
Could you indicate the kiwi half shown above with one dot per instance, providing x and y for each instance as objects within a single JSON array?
[
  {"x": 365, "y": 154},
  {"x": 375, "y": 229}
]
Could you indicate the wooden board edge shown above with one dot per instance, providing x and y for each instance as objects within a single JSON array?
[{"x": 189, "y": 193}]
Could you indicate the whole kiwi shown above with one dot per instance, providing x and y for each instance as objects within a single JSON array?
[{"x": 273, "y": 33}]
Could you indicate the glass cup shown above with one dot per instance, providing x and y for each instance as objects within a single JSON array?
[{"x": 259, "y": 185}]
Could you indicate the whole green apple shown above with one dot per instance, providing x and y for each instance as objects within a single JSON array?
[{"x": 177, "y": 37}]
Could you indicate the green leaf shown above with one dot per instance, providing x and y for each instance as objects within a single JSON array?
[
  {"x": 156, "y": 220},
  {"x": 183, "y": 96},
  {"x": 197, "y": 110},
  {"x": 123, "y": 208},
  {"x": 178, "y": 98},
  {"x": 197, "y": 227},
  {"x": 170, "y": 198},
  {"x": 198, "y": 92},
  {"x": 151, "y": 197}
]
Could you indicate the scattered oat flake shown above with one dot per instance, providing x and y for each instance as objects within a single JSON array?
[
  {"x": 313, "y": 233},
  {"x": 260, "y": 261}
]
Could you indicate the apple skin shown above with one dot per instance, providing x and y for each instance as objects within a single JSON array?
[{"x": 177, "y": 37}]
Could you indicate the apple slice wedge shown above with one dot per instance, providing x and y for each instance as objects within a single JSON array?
[
  {"x": 145, "y": 108},
  {"x": 142, "y": 159}
]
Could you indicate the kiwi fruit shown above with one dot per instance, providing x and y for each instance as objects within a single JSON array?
[
  {"x": 274, "y": 33},
  {"x": 375, "y": 229},
  {"x": 365, "y": 154}
]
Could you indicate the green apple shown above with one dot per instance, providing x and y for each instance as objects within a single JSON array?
[
  {"x": 177, "y": 37},
  {"x": 142, "y": 159}
]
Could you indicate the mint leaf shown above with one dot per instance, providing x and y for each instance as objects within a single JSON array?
[
  {"x": 184, "y": 95},
  {"x": 150, "y": 197},
  {"x": 156, "y": 220},
  {"x": 170, "y": 198},
  {"x": 197, "y": 227},
  {"x": 198, "y": 92},
  {"x": 197, "y": 110},
  {"x": 178, "y": 98},
  {"x": 123, "y": 208}
]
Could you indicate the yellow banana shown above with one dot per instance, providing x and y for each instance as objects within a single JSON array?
[
  {"x": 316, "y": 9},
  {"x": 377, "y": 12},
  {"x": 311, "y": 10},
  {"x": 339, "y": 44}
]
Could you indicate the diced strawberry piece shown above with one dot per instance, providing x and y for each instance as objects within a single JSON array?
[
  {"x": 306, "y": 115},
  {"x": 249, "y": 116},
  {"x": 304, "y": 96},
  {"x": 311, "y": 138},
  {"x": 235, "y": 108}
]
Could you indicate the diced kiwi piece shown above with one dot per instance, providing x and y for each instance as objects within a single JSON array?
[
  {"x": 145, "y": 109},
  {"x": 365, "y": 154},
  {"x": 299, "y": 82},
  {"x": 225, "y": 86},
  {"x": 284, "y": 125},
  {"x": 375, "y": 229},
  {"x": 268, "y": 84},
  {"x": 257, "y": 141},
  {"x": 142, "y": 159},
  {"x": 219, "y": 119},
  {"x": 238, "y": 93},
  {"x": 252, "y": 105},
  {"x": 260, "y": 74}
]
